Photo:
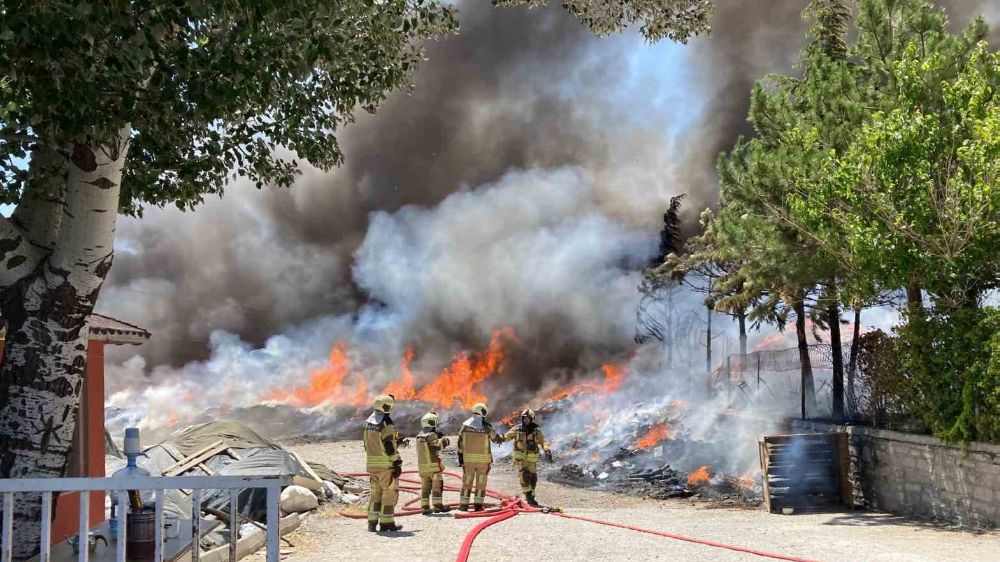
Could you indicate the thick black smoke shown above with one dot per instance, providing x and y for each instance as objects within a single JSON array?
[{"x": 517, "y": 89}]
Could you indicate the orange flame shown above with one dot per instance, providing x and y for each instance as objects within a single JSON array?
[
  {"x": 612, "y": 377},
  {"x": 403, "y": 389},
  {"x": 326, "y": 385},
  {"x": 699, "y": 476},
  {"x": 458, "y": 382},
  {"x": 657, "y": 433}
]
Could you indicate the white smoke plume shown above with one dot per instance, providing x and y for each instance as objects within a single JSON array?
[{"x": 531, "y": 251}]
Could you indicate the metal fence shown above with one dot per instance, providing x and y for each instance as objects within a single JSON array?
[{"x": 119, "y": 488}]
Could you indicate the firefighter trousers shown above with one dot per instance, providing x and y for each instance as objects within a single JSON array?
[
  {"x": 473, "y": 484},
  {"x": 384, "y": 493},
  {"x": 431, "y": 490},
  {"x": 527, "y": 473}
]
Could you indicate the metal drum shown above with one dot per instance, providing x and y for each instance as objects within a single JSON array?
[{"x": 140, "y": 542}]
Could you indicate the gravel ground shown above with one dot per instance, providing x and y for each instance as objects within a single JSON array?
[{"x": 854, "y": 535}]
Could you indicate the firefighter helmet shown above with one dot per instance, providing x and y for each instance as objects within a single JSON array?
[
  {"x": 528, "y": 413},
  {"x": 384, "y": 403},
  {"x": 430, "y": 419},
  {"x": 481, "y": 409}
]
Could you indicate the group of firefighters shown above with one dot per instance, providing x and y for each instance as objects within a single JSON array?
[{"x": 381, "y": 441}]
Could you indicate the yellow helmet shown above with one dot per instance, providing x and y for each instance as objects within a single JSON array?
[
  {"x": 384, "y": 403},
  {"x": 528, "y": 413},
  {"x": 481, "y": 409},
  {"x": 430, "y": 419}
]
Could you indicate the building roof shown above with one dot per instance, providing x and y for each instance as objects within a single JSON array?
[{"x": 113, "y": 331}]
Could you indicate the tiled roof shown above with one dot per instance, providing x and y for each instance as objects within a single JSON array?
[{"x": 107, "y": 329}]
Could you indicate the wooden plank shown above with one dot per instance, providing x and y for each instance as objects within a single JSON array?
[
  {"x": 195, "y": 459},
  {"x": 766, "y": 490},
  {"x": 252, "y": 542}
]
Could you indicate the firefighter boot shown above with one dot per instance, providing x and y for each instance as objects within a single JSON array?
[
  {"x": 478, "y": 507},
  {"x": 373, "y": 526},
  {"x": 426, "y": 511},
  {"x": 442, "y": 509},
  {"x": 390, "y": 527},
  {"x": 530, "y": 498}
]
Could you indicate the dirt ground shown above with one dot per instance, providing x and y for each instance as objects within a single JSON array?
[{"x": 847, "y": 536}]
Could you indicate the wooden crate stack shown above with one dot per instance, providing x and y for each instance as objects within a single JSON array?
[{"x": 805, "y": 471}]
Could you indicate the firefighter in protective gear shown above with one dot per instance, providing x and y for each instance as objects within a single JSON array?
[
  {"x": 384, "y": 465},
  {"x": 430, "y": 441},
  {"x": 528, "y": 443},
  {"x": 475, "y": 457}
]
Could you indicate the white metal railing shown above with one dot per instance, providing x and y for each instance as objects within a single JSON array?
[{"x": 119, "y": 487}]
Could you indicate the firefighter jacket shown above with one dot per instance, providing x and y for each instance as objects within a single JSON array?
[
  {"x": 528, "y": 441},
  {"x": 381, "y": 442},
  {"x": 474, "y": 441},
  {"x": 429, "y": 445}
]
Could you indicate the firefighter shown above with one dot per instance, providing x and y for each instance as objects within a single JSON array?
[
  {"x": 475, "y": 457},
  {"x": 528, "y": 443},
  {"x": 430, "y": 441},
  {"x": 384, "y": 465}
]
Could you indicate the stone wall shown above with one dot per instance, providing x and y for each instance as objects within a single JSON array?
[{"x": 921, "y": 476}]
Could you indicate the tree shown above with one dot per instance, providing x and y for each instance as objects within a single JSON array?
[
  {"x": 911, "y": 200},
  {"x": 121, "y": 104}
]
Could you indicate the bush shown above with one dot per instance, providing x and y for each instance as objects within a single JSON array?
[
  {"x": 952, "y": 367},
  {"x": 882, "y": 383}
]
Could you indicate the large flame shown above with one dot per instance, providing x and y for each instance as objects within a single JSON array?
[
  {"x": 326, "y": 385},
  {"x": 404, "y": 388},
  {"x": 659, "y": 432},
  {"x": 613, "y": 375},
  {"x": 458, "y": 383}
]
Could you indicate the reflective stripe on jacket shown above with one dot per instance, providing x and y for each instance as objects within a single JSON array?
[
  {"x": 429, "y": 444},
  {"x": 381, "y": 442},
  {"x": 528, "y": 442},
  {"x": 474, "y": 441}
]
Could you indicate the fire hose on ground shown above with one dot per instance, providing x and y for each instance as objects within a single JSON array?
[{"x": 510, "y": 506}]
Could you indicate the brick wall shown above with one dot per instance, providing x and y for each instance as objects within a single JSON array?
[{"x": 922, "y": 476}]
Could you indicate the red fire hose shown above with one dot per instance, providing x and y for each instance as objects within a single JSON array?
[{"x": 510, "y": 506}]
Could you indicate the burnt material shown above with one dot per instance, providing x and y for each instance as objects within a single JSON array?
[{"x": 805, "y": 471}]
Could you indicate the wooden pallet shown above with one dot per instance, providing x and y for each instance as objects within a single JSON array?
[{"x": 805, "y": 471}]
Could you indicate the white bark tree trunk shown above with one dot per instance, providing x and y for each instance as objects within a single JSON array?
[{"x": 45, "y": 311}]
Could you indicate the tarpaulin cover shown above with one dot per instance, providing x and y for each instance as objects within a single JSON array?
[
  {"x": 193, "y": 438},
  {"x": 258, "y": 456}
]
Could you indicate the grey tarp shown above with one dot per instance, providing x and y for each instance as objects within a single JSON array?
[{"x": 257, "y": 456}]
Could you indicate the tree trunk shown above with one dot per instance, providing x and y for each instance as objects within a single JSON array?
[
  {"x": 708, "y": 344},
  {"x": 741, "y": 315},
  {"x": 45, "y": 313},
  {"x": 914, "y": 300},
  {"x": 808, "y": 386},
  {"x": 852, "y": 365},
  {"x": 837, "y": 352}
]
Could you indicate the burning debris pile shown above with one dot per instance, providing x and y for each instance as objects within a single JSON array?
[{"x": 658, "y": 449}]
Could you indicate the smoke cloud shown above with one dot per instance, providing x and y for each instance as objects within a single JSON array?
[{"x": 601, "y": 143}]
